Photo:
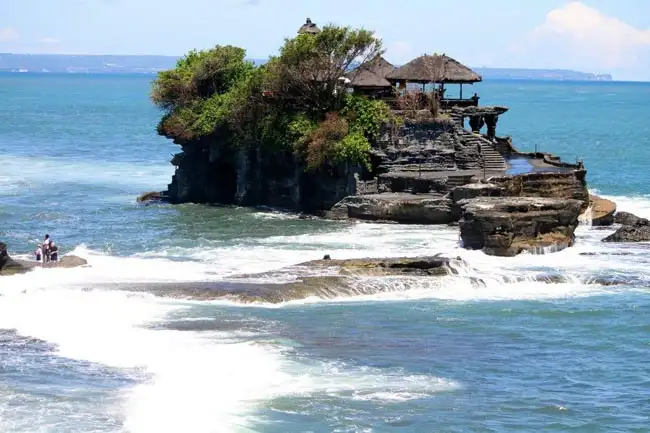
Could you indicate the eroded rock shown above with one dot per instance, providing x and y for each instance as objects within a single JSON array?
[
  {"x": 421, "y": 266},
  {"x": 628, "y": 219},
  {"x": 398, "y": 207},
  {"x": 9, "y": 266},
  {"x": 639, "y": 232},
  {"x": 507, "y": 226},
  {"x": 633, "y": 229},
  {"x": 602, "y": 211},
  {"x": 152, "y": 196},
  {"x": 321, "y": 278}
]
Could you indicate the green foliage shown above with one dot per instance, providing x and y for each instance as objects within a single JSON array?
[
  {"x": 365, "y": 115},
  {"x": 355, "y": 148},
  {"x": 199, "y": 94},
  {"x": 300, "y": 130},
  {"x": 295, "y": 101},
  {"x": 306, "y": 74}
]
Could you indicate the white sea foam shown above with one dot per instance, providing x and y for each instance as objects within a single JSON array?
[
  {"x": 196, "y": 381},
  {"x": 199, "y": 382}
]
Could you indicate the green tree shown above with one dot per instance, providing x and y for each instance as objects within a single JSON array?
[
  {"x": 198, "y": 95},
  {"x": 306, "y": 76}
]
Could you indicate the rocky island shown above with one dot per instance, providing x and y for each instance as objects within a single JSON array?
[{"x": 330, "y": 127}]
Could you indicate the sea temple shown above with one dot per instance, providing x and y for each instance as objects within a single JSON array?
[{"x": 433, "y": 158}]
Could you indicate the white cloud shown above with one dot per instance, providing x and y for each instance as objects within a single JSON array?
[
  {"x": 585, "y": 36},
  {"x": 8, "y": 34}
]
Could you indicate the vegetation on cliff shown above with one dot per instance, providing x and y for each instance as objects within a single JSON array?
[{"x": 294, "y": 101}]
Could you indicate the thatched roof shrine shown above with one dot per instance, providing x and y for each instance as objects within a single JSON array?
[
  {"x": 434, "y": 69},
  {"x": 372, "y": 74},
  {"x": 308, "y": 27}
]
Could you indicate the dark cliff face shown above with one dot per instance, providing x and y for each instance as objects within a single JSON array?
[{"x": 211, "y": 172}]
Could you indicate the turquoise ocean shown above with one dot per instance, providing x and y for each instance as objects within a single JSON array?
[{"x": 491, "y": 349}]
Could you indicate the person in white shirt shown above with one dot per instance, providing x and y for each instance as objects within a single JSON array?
[
  {"x": 46, "y": 248},
  {"x": 38, "y": 253}
]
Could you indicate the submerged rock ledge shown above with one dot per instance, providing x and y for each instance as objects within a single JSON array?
[{"x": 324, "y": 279}]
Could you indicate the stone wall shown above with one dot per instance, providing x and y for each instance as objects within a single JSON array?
[
  {"x": 425, "y": 146},
  {"x": 366, "y": 187},
  {"x": 411, "y": 182}
]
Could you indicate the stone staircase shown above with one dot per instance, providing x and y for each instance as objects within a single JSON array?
[
  {"x": 454, "y": 181},
  {"x": 494, "y": 162}
]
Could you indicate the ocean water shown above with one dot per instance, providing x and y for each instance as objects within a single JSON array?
[{"x": 492, "y": 349}]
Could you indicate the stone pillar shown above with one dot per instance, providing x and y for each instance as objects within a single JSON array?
[
  {"x": 491, "y": 122},
  {"x": 476, "y": 123}
]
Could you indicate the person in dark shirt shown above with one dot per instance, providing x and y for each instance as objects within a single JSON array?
[{"x": 54, "y": 252}]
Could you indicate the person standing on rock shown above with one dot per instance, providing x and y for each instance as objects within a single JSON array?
[
  {"x": 38, "y": 253},
  {"x": 46, "y": 248},
  {"x": 54, "y": 252}
]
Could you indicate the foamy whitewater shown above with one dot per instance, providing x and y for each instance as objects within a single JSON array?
[{"x": 557, "y": 341}]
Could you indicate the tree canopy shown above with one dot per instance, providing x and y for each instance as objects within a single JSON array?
[{"x": 296, "y": 100}]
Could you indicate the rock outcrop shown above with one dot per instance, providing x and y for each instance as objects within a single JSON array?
[
  {"x": 397, "y": 207},
  {"x": 320, "y": 278},
  {"x": 633, "y": 229},
  {"x": 151, "y": 196},
  {"x": 569, "y": 184},
  {"x": 429, "y": 156},
  {"x": 628, "y": 219},
  {"x": 507, "y": 226},
  {"x": 9, "y": 266},
  {"x": 602, "y": 211},
  {"x": 413, "y": 266}
]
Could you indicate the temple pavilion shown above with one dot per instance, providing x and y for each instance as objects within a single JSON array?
[
  {"x": 380, "y": 79},
  {"x": 436, "y": 69}
]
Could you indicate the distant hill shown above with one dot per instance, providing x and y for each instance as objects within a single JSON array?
[{"x": 116, "y": 64}]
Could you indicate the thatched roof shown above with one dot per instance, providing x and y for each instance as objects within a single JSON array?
[
  {"x": 434, "y": 68},
  {"x": 308, "y": 27},
  {"x": 372, "y": 74}
]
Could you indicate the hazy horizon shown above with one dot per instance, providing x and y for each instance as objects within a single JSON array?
[
  {"x": 596, "y": 36},
  {"x": 172, "y": 59}
]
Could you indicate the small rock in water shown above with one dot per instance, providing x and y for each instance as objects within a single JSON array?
[
  {"x": 327, "y": 257},
  {"x": 629, "y": 219},
  {"x": 636, "y": 233}
]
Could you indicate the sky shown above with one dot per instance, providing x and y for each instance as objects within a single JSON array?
[{"x": 603, "y": 36}]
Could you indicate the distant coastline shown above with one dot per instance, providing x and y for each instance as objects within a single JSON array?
[{"x": 150, "y": 64}]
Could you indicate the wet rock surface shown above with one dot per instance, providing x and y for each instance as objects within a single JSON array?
[
  {"x": 326, "y": 279},
  {"x": 602, "y": 211},
  {"x": 633, "y": 229},
  {"x": 396, "y": 207},
  {"x": 628, "y": 219},
  {"x": 507, "y": 226}
]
